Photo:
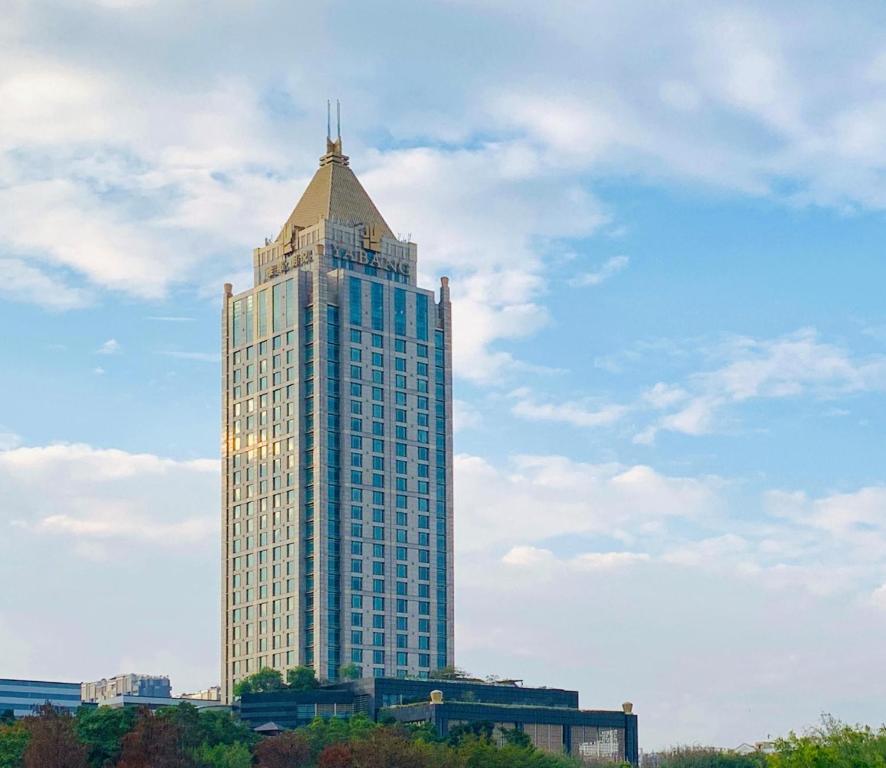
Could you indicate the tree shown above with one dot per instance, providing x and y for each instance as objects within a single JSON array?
[
  {"x": 301, "y": 679},
  {"x": 7, "y": 717},
  {"x": 102, "y": 729},
  {"x": 349, "y": 671},
  {"x": 336, "y": 756},
  {"x": 479, "y": 753},
  {"x": 833, "y": 744},
  {"x": 217, "y": 726},
  {"x": 288, "y": 750},
  {"x": 323, "y": 731},
  {"x": 224, "y": 756},
  {"x": 451, "y": 673},
  {"x": 264, "y": 680},
  {"x": 480, "y": 730},
  {"x": 389, "y": 748},
  {"x": 155, "y": 742},
  {"x": 708, "y": 757},
  {"x": 53, "y": 741},
  {"x": 13, "y": 742},
  {"x": 515, "y": 737}
]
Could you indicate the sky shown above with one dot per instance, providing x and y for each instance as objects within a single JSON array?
[{"x": 663, "y": 224}]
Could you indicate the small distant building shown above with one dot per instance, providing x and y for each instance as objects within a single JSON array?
[
  {"x": 213, "y": 693},
  {"x": 156, "y": 702},
  {"x": 23, "y": 697},
  {"x": 764, "y": 747},
  {"x": 154, "y": 686},
  {"x": 549, "y": 716}
]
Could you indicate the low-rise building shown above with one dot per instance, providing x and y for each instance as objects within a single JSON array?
[
  {"x": 549, "y": 716},
  {"x": 22, "y": 697},
  {"x": 213, "y": 693},
  {"x": 157, "y": 686},
  {"x": 156, "y": 702}
]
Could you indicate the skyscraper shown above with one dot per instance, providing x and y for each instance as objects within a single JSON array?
[{"x": 337, "y": 523}]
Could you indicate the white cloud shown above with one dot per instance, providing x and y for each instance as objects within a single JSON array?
[
  {"x": 110, "y": 347},
  {"x": 568, "y": 412},
  {"x": 20, "y": 280},
  {"x": 465, "y": 415},
  {"x": 799, "y": 364},
  {"x": 81, "y": 492},
  {"x": 527, "y": 556},
  {"x": 8, "y": 439},
  {"x": 501, "y": 506},
  {"x": 127, "y": 529},
  {"x": 609, "y": 268},
  {"x": 878, "y": 597}
]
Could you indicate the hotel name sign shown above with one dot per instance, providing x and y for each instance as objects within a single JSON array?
[{"x": 293, "y": 261}]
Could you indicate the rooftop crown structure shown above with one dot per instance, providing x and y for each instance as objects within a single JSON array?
[{"x": 337, "y": 522}]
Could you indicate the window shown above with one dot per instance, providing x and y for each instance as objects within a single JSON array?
[
  {"x": 355, "y": 300},
  {"x": 378, "y": 306},
  {"x": 400, "y": 311},
  {"x": 421, "y": 316}
]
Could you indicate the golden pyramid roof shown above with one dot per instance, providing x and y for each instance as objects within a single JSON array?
[{"x": 334, "y": 193}]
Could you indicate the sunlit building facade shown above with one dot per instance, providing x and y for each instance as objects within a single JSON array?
[{"x": 337, "y": 523}]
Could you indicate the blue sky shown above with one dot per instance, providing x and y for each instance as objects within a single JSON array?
[{"x": 664, "y": 233}]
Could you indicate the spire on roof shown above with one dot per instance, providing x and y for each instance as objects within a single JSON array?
[
  {"x": 333, "y": 148},
  {"x": 334, "y": 192}
]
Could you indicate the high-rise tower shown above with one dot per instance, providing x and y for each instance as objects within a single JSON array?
[{"x": 337, "y": 523}]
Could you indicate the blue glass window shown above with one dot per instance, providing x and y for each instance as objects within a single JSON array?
[
  {"x": 355, "y": 296},
  {"x": 399, "y": 311},
  {"x": 378, "y": 306},
  {"x": 421, "y": 316}
]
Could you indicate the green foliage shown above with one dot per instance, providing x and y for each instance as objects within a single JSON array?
[
  {"x": 224, "y": 756},
  {"x": 301, "y": 679},
  {"x": 7, "y": 717},
  {"x": 480, "y": 753},
  {"x": 481, "y": 730},
  {"x": 102, "y": 729},
  {"x": 832, "y": 745},
  {"x": 349, "y": 671},
  {"x": 706, "y": 757},
  {"x": 451, "y": 673},
  {"x": 264, "y": 680},
  {"x": 13, "y": 742},
  {"x": 515, "y": 737},
  {"x": 322, "y": 731}
]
